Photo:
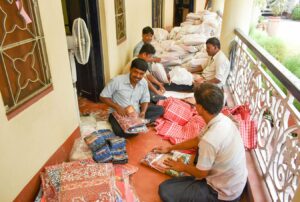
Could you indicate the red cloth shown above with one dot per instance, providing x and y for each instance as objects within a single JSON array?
[
  {"x": 169, "y": 129},
  {"x": 247, "y": 127},
  {"x": 177, "y": 111},
  {"x": 124, "y": 191},
  {"x": 87, "y": 181},
  {"x": 49, "y": 192},
  {"x": 179, "y": 122}
]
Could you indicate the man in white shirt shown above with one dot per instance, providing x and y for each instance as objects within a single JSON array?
[
  {"x": 218, "y": 67},
  {"x": 220, "y": 173}
]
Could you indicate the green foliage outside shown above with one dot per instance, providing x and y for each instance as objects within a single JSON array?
[
  {"x": 277, "y": 7},
  {"x": 296, "y": 12},
  {"x": 293, "y": 64},
  {"x": 277, "y": 48},
  {"x": 260, "y": 3}
]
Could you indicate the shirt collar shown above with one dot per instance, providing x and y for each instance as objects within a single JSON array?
[
  {"x": 127, "y": 80},
  {"x": 215, "y": 119},
  {"x": 213, "y": 57}
]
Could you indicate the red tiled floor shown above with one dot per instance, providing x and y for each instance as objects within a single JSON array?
[
  {"x": 146, "y": 180},
  {"x": 86, "y": 106}
]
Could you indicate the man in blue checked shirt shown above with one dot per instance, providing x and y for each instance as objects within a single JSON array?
[{"x": 130, "y": 90}]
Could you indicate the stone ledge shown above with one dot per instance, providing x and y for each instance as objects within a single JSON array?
[{"x": 256, "y": 187}]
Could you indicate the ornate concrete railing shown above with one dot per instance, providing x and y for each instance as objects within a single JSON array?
[{"x": 278, "y": 121}]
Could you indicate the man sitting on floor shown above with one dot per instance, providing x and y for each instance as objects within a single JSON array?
[
  {"x": 220, "y": 173},
  {"x": 156, "y": 87},
  {"x": 147, "y": 35},
  {"x": 217, "y": 69},
  {"x": 130, "y": 90}
]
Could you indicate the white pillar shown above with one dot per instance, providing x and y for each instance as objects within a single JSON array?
[
  {"x": 237, "y": 14},
  {"x": 199, "y": 5},
  {"x": 218, "y": 5}
]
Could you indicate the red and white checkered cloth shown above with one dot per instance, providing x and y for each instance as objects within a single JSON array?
[
  {"x": 247, "y": 127},
  {"x": 177, "y": 111},
  {"x": 168, "y": 129},
  {"x": 179, "y": 122}
]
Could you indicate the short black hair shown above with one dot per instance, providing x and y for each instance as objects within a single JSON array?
[
  {"x": 148, "y": 30},
  {"x": 139, "y": 64},
  {"x": 148, "y": 49},
  {"x": 210, "y": 97},
  {"x": 214, "y": 41}
]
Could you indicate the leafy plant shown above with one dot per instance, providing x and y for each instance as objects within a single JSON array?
[
  {"x": 277, "y": 49},
  {"x": 275, "y": 46},
  {"x": 292, "y": 63},
  {"x": 296, "y": 12},
  {"x": 260, "y": 3},
  {"x": 278, "y": 7},
  {"x": 261, "y": 19}
]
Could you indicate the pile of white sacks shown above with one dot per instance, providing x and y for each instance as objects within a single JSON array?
[{"x": 184, "y": 47}]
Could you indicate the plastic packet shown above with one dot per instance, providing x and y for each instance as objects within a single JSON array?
[
  {"x": 88, "y": 125},
  {"x": 103, "y": 125},
  {"x": 138, "y": 129},
  {"x": 80, "y": 150},
  {"x": 100, "y": 115},
  {"x": 124, "y": 191},
  {"x": 131, "y": 123}
]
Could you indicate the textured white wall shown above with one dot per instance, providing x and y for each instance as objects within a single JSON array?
[
  {"x": 29, "y": 139},
  {"x": 138, "y": 15}
]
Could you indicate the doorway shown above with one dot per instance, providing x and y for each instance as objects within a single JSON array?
[
  {"x": 181, "y": 9},
  {"x": 90, "y": 77},
  {"x": 157, "y": 6}
]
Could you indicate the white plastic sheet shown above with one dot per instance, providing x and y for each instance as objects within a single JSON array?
[
  {"x": 159, "y": 72},
  {"x": 160, "y": 34},
  {"x": 194, "y": 39},
  {"x": 181, "y": 76}
]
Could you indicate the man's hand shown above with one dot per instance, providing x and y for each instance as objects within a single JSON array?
[
  {"x": 198, "y": 79},
  {"x": 142, "y": 115},
  {"x": 175, "y": 165},
  {"x": 195, "y": 69},
  {"x": 161, "y": 150},
  {"x": 162, "y": 88},
  {"x": 121, "y": 111},
  {"x": 156, "y": 59}
]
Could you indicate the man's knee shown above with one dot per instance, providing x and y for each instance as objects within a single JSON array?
[
  {"x": 163, "y": 192},
  {"x": 160, "y": 110}
]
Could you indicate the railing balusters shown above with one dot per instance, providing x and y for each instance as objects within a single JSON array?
[{"x": 278, "y": 120}]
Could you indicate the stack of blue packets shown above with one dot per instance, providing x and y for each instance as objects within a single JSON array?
[
  {"x": 107, "y": 147},
  {"x": 117, "y": 147}
]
